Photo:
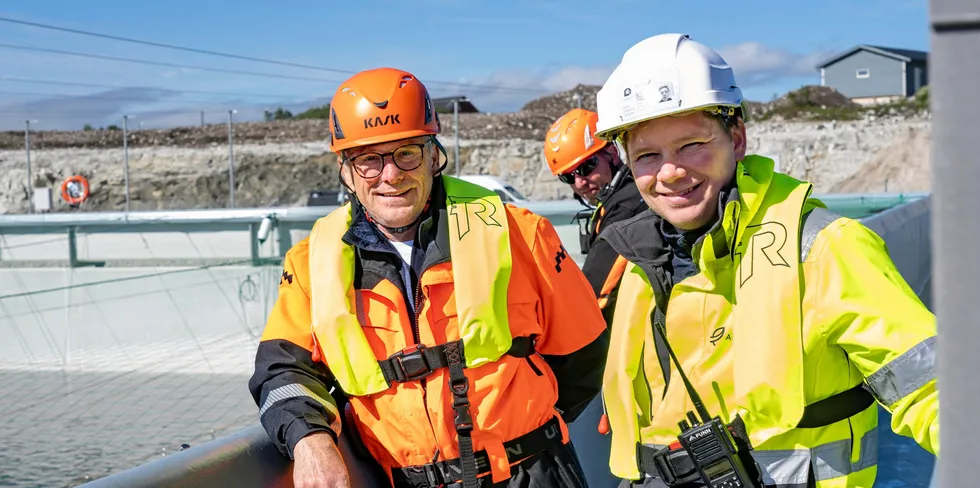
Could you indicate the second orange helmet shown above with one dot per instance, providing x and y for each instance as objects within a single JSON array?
[{"x": 571, "y": 140}]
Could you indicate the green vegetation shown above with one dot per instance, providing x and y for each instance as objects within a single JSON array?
[
  {"x": 321, "y": 112},
  {"x": 824, "y": 103},
  {"x": 279, "y": 114}
]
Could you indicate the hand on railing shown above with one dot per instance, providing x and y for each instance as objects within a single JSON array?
[{"x": 318, "y": 463}]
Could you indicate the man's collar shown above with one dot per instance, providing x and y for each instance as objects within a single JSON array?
[
  {"x": 677, "y": 238},
  {"x": 432, "y": 230}
]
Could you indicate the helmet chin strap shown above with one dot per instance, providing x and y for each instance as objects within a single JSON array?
[
  {"x": 399, "y": 230},
  {"x": 393, "y": 230},
  {"x": 615, "y": 183}
]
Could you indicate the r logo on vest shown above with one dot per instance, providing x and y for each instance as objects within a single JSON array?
[
  {"x": 477, "y": 206},
  {"x": 768, "y": 240}
]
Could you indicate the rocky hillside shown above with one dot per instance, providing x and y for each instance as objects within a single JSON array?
[{"x": 814, "y": 133}]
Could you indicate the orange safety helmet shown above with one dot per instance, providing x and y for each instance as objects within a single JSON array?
[
  {"x": 380, "y": 105},
  {"x": 571, "y": 140}
]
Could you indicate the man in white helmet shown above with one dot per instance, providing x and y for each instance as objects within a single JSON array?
[{"x": 789, "y": 322}]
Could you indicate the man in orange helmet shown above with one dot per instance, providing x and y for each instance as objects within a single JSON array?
[
  {"x": 604, "y": 184},
  {"x": 458, "y": 332}
]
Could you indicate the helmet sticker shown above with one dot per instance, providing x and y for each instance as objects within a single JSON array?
[
  {"x": 589, "y": 141},
  {"x": 666, "y": 90}
]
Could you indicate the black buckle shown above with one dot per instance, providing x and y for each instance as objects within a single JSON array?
[
  {"x": 433, "y": 477},
  {"x": 674, "y": 466},
  {"x": 464, "y": 421},
  {"x": 410, "y": 364}
]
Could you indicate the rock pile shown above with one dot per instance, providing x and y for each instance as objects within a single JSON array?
[{"x": 281, "y": 162}]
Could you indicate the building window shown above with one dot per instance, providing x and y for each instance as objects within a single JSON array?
[{"x": 863, "y": 73}]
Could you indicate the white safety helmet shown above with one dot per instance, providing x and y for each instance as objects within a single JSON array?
[{"x": 663, "y": 75}]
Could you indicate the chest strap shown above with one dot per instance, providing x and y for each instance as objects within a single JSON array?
[
  {"x": 419, "y": 361},
  {"x": 440, "y": 473},
  {"x": 843, "y": 405}
]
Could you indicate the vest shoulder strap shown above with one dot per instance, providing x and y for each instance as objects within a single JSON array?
[{"x": 811, "y": 224}]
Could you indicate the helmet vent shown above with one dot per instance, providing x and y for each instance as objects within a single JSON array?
[
  {"x": 404, "y": 81},
  {"x": 381, "y": 104}
]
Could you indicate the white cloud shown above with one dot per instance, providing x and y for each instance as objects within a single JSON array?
[
  {"x": 149, "y": 107},
  {"x": 74, "y": 111},
  {"x": 512, "y": 88},
  {"x": 757, "y": 64}
]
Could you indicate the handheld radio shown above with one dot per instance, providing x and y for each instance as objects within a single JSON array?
[{"x": 709, "y": 443}]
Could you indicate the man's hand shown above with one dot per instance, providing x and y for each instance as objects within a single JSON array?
[{"x": 318, "y": 464}]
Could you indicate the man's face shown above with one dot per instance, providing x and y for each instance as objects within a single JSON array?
[
  {"x": 394, "y": 194},
  {"x": 588, "y": 186},
  {"x": 680, "y": 164}
]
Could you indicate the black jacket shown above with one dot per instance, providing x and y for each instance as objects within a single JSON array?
[{"x": 622, "y": 204}]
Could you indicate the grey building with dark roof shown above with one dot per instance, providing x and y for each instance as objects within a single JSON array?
[
  {"x": 873, "y": 74},
  {"x": 445, "y": 105}
]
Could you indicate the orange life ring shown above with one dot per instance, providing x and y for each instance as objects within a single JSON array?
[{"x": 74, "y": 190}]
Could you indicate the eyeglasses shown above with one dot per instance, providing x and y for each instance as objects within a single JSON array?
[
  {"x": 406, "y": 158},
  {"x": 583, "y": 170}
]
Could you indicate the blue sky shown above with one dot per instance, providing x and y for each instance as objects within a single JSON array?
[{"x": 522, "y": 49}]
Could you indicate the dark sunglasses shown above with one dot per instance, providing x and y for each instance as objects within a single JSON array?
[{"x": 583, "y": 170}]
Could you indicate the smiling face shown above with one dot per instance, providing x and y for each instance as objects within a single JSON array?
[
  {"x": 396, "y": 196},
  {"x": 681, "y": 163}
]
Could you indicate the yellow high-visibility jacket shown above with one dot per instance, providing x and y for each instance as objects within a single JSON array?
[{"x": 805, "y": 307}]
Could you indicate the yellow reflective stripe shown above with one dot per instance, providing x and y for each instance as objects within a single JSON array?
[
  {"x": 791, "y": 467},
  {"x": 622, "y": 381},
  {"x": 480, "y": 246},
  {"x": 906, "y": 373},
  {"x": 335, "y": 322},
  {"x": 768, "y": 293}
]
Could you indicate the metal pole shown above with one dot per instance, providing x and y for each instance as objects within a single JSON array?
[
  {"x": 27, "y": 145},
  {"x": 578, "y": 100},
  {"x": 954, "y": 68},
  {"x": 202, "y": 118},
  {"x": 126, "y": 157},
  {"x": 231, "y": 162},
  {"x": 456, "y": 134}
]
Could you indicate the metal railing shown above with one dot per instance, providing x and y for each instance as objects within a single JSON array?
[{"x": 253, "y": 227}]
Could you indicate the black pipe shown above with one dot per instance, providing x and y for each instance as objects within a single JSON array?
[{"x": 245, "y": 459}]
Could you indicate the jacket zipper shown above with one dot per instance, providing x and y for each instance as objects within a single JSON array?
[{"x": 418, "y": 300}]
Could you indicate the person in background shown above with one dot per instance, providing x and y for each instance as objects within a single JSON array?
[
  {"x": 599, "y": 180},
  {"x": 592, "y": 169}
]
